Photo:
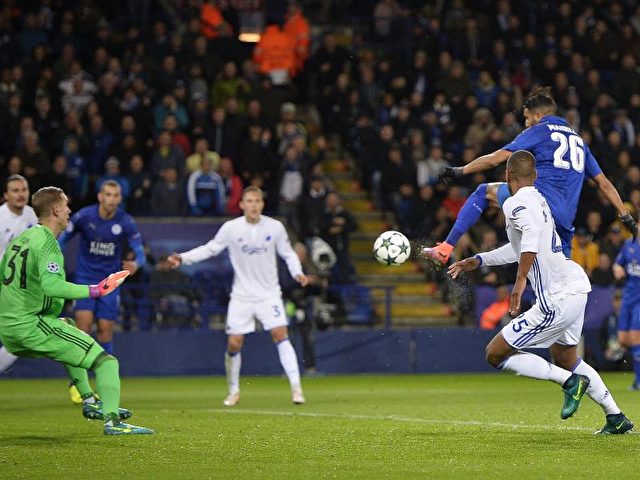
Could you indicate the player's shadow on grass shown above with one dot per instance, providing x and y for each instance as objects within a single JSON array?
[{"x": 30, "y": 440}]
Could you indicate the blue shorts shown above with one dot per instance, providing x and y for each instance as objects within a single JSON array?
[
  {"x": 629, "y": 317},
  {"x": 105, "y": 308},
  {"x": 565, "y": 234}
]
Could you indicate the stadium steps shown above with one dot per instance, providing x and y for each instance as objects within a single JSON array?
[{"x": 415, "y": 302}]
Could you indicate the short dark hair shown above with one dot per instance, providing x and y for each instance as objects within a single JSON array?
[
  {"x": 522, "y": 164},
  {"x": 44, "y": 199},
  {"x": 14, "y": 178},
  {"x": 540, "y": 99}
]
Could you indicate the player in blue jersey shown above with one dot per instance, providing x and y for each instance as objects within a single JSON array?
[
  {"x": 627, "y": 265},
  {"x": 102, "y": 228},
  {"x": 563, "y": 161}
]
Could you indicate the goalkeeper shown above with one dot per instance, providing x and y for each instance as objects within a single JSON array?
[{"x": 32, "y": 295}]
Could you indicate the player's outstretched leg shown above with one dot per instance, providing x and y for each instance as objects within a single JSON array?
[
  {"x": 468, "y": 216},
  {"x": 108, "y": 386},
  {"x": 574, "y": 389},
  {"x": 232, "y": 364},
  {"x": 617, "y": 423}
]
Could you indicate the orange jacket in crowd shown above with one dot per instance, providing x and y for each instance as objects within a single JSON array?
[
  {"x": 492, "y": 315},
  {"x": 298, "y": 27},
  {"x": 275, "y": 51},
  {"x": 211, "y": 21}
]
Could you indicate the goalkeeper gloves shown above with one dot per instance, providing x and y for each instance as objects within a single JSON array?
[
  {"x": 628, "y": 221},
  {"x": 108, "y": 285},
  {"x": 449, "y": 174}
]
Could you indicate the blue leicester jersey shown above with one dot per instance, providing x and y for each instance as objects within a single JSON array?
[
  {"x": 100, "y": 250},
  {"x": 562, "y": 161},
  {"x": 629, "y": 259}
]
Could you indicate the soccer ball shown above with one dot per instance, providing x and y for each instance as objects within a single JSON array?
[{"x": 391, "y": 248}]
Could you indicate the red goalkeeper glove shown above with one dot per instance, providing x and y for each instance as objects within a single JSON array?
[{"x": 108, "y": 285}]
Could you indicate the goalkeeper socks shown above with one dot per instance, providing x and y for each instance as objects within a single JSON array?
[
  {"x": 108, "y": 347},
  {"x": 289, "y": 362},
  {"x": 6, "y": 359},
  {"x": 533, "y": 366},
  {"x": 108, "y": 385},
  {"x": 635, "y": 353},
  {"x": 78, "y": 376},
  {"x": 232, "y": 364},
  {"x": 597, "y": 390},
  {"x": 469, "y": 214}
]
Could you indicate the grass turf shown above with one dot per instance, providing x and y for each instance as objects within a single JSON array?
[{"x": 427, "y": 426}]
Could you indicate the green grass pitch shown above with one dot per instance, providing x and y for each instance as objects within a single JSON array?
[{"x": 352, "y": 427}]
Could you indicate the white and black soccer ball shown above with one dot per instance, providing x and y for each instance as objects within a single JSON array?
[{"x": 391, "y": 248}]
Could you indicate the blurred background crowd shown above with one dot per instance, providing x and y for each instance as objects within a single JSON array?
[{"x": 163, "y": 97}]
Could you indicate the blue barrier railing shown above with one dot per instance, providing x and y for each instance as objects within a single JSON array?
[{"x": 191, "y": 305}]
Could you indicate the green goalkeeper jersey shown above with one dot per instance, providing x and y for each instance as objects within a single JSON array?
[{"x": 33, "y": 280}]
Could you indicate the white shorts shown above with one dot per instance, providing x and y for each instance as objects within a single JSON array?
[
  {"x": 240, "y": 315},
  {"x": 555, "y": 321}
]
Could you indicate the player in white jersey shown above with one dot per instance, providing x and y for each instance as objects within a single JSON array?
[
  {"x": 253, "y": 241},
  {"x": 561, "y": 288},
  {"x": 15, "y": 217}
]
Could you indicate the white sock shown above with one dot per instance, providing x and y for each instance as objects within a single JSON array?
[
  {"x": 232, "y": 363},
  {"x": 6, "y": 359},
  {"x": 597, "y": 390},
  {"x": 533, "y": 366},
  {"x": 289, "y": 362}
]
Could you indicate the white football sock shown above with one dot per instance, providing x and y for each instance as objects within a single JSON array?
[
  {"x": 533, "y": 366},
  {"x": 232, "y": 363},
  {"x": 597, "y": 390},
  {"x": 289, "y": 362},
  {"x": 6, "y": 359}
]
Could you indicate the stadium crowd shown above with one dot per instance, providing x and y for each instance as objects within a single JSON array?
[{"x": 171, "y": 105}]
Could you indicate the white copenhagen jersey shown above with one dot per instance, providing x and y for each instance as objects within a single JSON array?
[
  {"x": 252, "y": 249},
  {"x": 530, "y": 228},
  {"x": 12, "y": 225}
]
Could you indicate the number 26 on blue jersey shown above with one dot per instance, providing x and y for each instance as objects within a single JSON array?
[{"x": 572, "y": 144}]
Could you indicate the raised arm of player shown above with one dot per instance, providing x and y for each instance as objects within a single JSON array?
[
  {"x": 605, "y": 185},
  {"x": 213, "y": 247},
  {"x": 135, "y": 242},
  {"x": 484, "y": 162},
  {"x": 286, "y": 252}
]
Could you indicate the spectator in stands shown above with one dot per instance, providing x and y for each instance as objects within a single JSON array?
[
  {"x": 602, "y": 275},
  {"x": 275, "y": 54},
  {"x": 58, "y": 176},
  {"x": 194, "y": 161},
  {"x": 167, "y": 155},
  {"x": 205, "y": 191},
  {"x": 213, "y": 24},
  {"x": 230, "y": 85},
  {"x": 177, "y": 137},
  {"x": 496, "y": 313},
  {"x": 312, "y": 208},
  {"x": 76, "y": 169},
  {"x": 291, "y": 187},
  {"x": 584, "y": 251},
  {"x": 168, "y": 194},
  {"x": 337, "y": 224},
  {"x": 140, "y": 181},
  {"x": 174, "y": 297},
  {"x": 232, "y": 187},
  {"x": 297, "y": 27},
  {"x": 112, "y": 172},
  {"x": 220, "y": 134},
  {"x": 35, "y": 160},
  {"x": 100, "y": 140},
  {"x": 612, "y": 243}
]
